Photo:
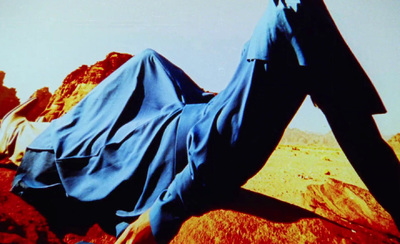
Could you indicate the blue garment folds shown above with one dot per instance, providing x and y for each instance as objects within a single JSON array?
[
  {"x": 148, "y": 137},
  {"x": 121, "y": 139}
]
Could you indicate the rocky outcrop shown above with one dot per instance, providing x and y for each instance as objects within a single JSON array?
[
  {"x": 17, "y": 132},
  {"x": 333, "y": 212},
  {"x": 79, "y": 83},
  {"x": 42, "y": 99},
  {"x": 18, "y": 128},
  {"x": 21, "y": 126},
  {"x": 21, "y": 223},
  {"x": 8, "y": 97},
  {"x": 350, "y": 206}
]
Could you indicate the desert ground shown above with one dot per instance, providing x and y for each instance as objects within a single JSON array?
[
  {"x": 315, "y": 178},
  {"x": 304, "y": 194}
]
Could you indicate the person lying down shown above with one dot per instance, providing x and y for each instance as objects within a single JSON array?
[{"x": 147, "y": 148}]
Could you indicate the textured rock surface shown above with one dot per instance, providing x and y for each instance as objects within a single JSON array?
[
  {"x": 43, "y": 97},
  {"x": 79, "y": 83},
  {"x": 21, "y": 223},
  {"x": 348, "y": 205},
  {"x": 8, "y": 97},
  {"x": 18, "y": 128},
  {"x": 254, "y": 218}
]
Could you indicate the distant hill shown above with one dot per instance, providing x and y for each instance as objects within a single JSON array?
[{"x": 293, "y": 136}]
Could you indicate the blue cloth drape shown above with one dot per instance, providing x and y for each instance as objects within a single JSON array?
[
  {"x": 121, "y": 136},
  {"x": 149, "y": 137}
]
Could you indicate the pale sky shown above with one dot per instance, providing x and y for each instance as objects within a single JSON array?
[{"x": 42, "y": 41}]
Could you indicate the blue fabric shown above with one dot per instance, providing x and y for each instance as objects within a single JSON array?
[
  {"x": 295, "y": 50},
  {"x": 219, "y": 145},
  {"x": 119, "y": 140},
  {"x": 302, "y": 32},
  {"x": 148, "y": 137}
]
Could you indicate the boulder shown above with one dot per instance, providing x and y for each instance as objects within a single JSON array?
[{"x": 79, "y": 83}]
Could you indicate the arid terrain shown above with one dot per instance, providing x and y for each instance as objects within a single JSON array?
[
  {"x": 306, "y": 193},
  {"x": 317, "y": 179}
]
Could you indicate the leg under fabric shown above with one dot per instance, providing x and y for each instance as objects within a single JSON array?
[
  {"x": 240, "y": 129},
  {"x": 374, "y": 161}
]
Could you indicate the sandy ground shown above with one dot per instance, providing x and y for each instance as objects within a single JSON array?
[{"x": 291, "y": 169}]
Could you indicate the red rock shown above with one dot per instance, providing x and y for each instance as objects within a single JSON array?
[
  {"x": 256, "y": 218},
  {"x": 350, "y": 206},
  {"x": 43, "y": 97},
  {"x": 21, "y": 223},
  {"x": 79, "y": 83},
  {"x": 8, "y": 97}
]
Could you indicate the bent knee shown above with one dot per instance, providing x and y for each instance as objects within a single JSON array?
[{"x": 148, "y": 54}]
